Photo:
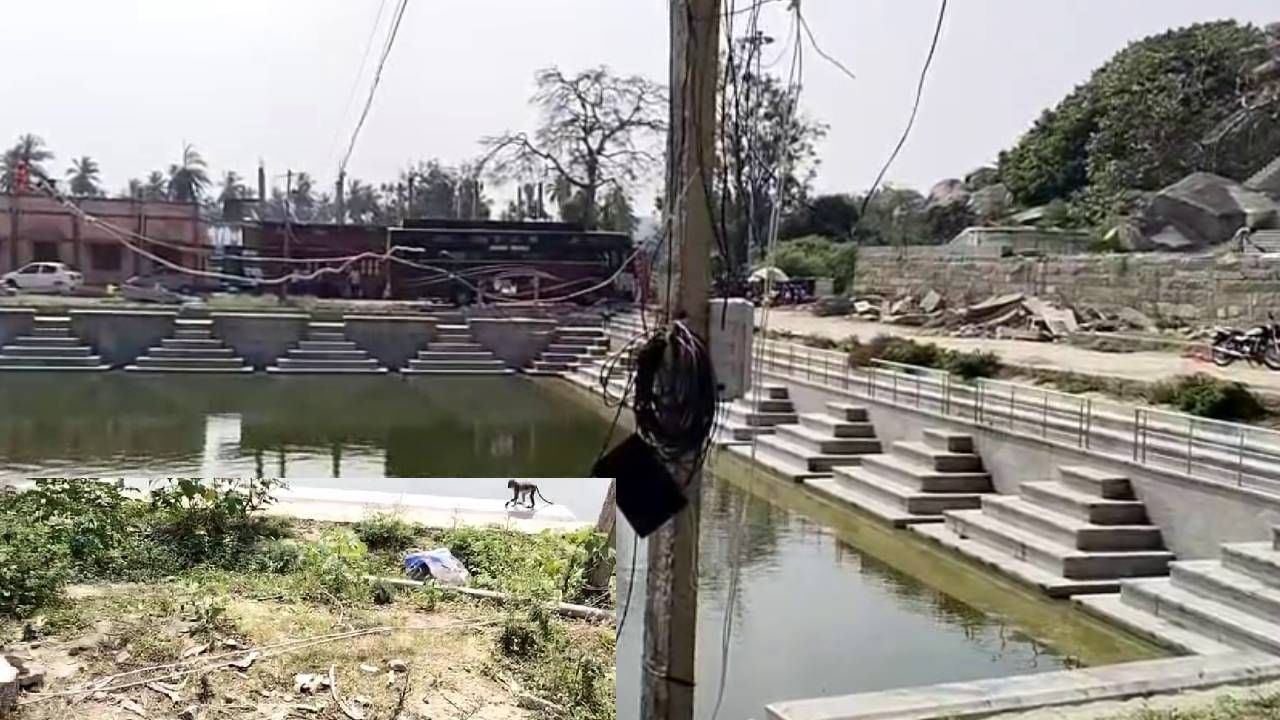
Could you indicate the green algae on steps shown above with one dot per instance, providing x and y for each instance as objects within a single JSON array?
[{"x": 1056, "y": 623}]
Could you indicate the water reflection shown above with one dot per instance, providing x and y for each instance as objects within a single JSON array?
[
  {"x": 292, "y": 427},
  {"x": 813, "y": 616}
]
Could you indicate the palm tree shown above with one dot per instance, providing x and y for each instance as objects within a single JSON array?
[
  {"x": 233, "y": 192},
  {"x": 135, "y": 189},
  {"x": 363, "y": 203},
  {"x": 303, "y": 198},
  {"x": 156, "y": 187},
  {"x": 188, "y": 180},
  {"x": 82, "y": 177},
  {"x": 30, "y": 150}
]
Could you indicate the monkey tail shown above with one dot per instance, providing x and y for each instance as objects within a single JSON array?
[{"x": 540, "y": 495}]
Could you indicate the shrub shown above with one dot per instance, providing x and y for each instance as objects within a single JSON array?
[
  {"x": 387, "y": 531},
  {"x": 334, "y": 567},
  {"x": 971, "y": 365},
  {"x": 1207, "y": 396},
  {"x": 529, "y": 633},
  {"x": 95, "y": 520},
  {"x": 216, "y": 522},
  {"x": 34, "y": 565}
]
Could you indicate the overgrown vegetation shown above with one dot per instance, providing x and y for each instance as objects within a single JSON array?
[
  {"x": 816, "y": 256},
  {"x": 387, "y": 531},
  {"x": 1140, "y": 123},
  {"x": 1209, "y": 397},
  {"x": 967, "y": 365},
  {"x": 576, "y": 676}
]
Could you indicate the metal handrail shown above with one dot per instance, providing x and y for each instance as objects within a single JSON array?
[{"x": 1194, "y": 445}]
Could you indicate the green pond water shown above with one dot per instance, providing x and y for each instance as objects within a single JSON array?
[{"x": 827, "y": 603}]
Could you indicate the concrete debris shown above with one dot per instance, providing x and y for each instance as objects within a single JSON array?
[
  {"x": 366, "y": 668},
  {"x": 310, "y": 683},
  {"x": 931, "y": 303},
  {"x": 398, "y": 666}
]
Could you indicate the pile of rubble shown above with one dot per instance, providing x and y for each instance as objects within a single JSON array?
[{"x": 1014, "y": 316}]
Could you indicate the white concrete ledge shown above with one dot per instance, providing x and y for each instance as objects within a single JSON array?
[{"x": 1024, "y": 692}]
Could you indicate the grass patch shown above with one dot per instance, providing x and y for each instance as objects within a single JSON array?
[
  {"x": 968, "y": 365},
  {"x": 1206, "y": 396}
]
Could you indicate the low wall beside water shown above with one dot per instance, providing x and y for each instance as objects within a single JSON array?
[
  {"x": 391, "y": 340},
  {"x": 119, "y": 336},
  {"x": 1195, "y": 515},
  {"x": 15, "y": 322}
]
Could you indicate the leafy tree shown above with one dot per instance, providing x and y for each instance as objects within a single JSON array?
[
  {"x": 816, "y": 256},
  {"x": 831, "y": 216},
  {"x": 189, "y": 178},
  {"x": 30, "y": 151},
  {"x": 762, "y": 133},
  {"x": 302, "y": 198},
  {"x": 893, "y": 216},
  {"x": 597, "y": 130},
  {"x": 83, "y": 176},
  {"x": 364, "y": 203},
  {"x": 1142, "y": 120},
  {"x": 134, "y": 189},
  {"x": 616, "y": 213},
  {"x": 156, "y": 187},
  {"x": 232, "y": 196}
]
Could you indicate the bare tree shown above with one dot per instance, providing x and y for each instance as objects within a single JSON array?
[{"x": 597, "y": 130}]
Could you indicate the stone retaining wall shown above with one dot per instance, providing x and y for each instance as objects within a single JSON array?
[{"x": 1179, "y": 288}]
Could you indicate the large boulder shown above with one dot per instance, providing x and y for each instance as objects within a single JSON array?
[
  {"x": 992, "y": 201},
  {"x": 947, "y": 193},
  {"x": 1202, "y": 210}
]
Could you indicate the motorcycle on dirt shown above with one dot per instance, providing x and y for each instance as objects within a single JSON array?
[{"x": 1261, "y": 345}]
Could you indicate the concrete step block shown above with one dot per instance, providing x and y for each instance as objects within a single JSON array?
[
  {"x": 565, "y": 358},
  {"x": 45, "y": 341},
  {"x": 40, "y": 331},
  {"x": 769, "y": 404},
  {"x": 1090, "y": 481},
  {"x": 1061, "y": 559},
  {"x": 417, "y": 364},
  {"x": 1066, "y": 530},
  {"x": 455, "y": 355},
  {"x": 842, "y": 491},
  {"x": 545, "y": 366},
  {"x": 278, "y": 370},
  {"x": 9, "y": 367},
  {"x": 925, "y": 479},
  {"x": 455, "y": 347},
  {"x": 746, "y": 415},
  {"x": 836, "y": 427},
  {"x": 892, "y": 491},
  {"x": 50, "y": 361},
  {"x": 776, "y": 392},
  {"x": 455, "y": 372},
  {"x": 17, "y": 350},
  {"x": 460, "y": 327},
  {"x": 778, "y": 461},
  {"x": 328, "y": 345},
  {"x": 823, "y": 444},
  {"x": 151, "y": 361},
  {"x": 188, "y": 344},
  {"x": 203, "y": 352},
  {"x": 1202, "y": 615},
  {"x": 193, "y": 334},
  {"x": 940, "y": 460},
  {"x": 1212, "y": 579},
  {"x": 1113, "y": 608},
  {"x": 1275, "y": 537},
  {"x": 948, "y": 441},
  {"x": 798, "y": 455},
  {"x": 168, "y": 369},
  {"x": 291, "y": 363},
  {"x": 301, "y": 354},
  {"x": 1090, "y": 508},
  {"x": 1048, "y": 582},
  {"x": 326, "y": 336},
  {"x": 1260, "y": 561},
  {"x": 845, "y": 411}
]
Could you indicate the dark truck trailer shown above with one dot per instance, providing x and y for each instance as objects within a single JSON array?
[{"x": 463, "y": 261}]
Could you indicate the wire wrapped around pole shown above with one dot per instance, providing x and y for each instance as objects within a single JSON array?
[{"x": 675, "y": 394}]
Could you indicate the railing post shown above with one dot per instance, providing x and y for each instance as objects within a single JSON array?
[
  {"x": 946, "y": 394},
  {"x": 1137, "y": 414},
  {"x": 1013, "y": 389},
  {"x": 1240, "y": 458},
  {"x": 1191, "y": 438},
  {"x": 1088, "y": 425}
]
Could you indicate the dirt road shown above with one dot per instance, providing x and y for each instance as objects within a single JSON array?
[{"x": 1145, "y": 366}]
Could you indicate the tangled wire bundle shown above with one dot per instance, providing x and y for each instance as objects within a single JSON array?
[{"x": 675, "y": 394}]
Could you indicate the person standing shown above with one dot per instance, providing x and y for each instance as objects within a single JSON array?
[{"x": 353, "y": 281}]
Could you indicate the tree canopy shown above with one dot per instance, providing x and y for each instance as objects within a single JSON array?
[{"x": 1144, "y": 120}]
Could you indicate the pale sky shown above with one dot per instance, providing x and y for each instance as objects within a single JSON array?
[{"x": 127, "y": 81}]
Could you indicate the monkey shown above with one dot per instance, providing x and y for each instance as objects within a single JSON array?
[{"x": 522, "y": 492}]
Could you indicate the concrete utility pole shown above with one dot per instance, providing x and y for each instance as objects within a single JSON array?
[
  {"x": 341, "y": 195},
  {"x": 288, "y": 231},
  {"x": 672, "y": 605}
]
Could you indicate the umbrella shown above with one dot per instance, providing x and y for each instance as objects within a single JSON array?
[{"x": 770, "y": 273}]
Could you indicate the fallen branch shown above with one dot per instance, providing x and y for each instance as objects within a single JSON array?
[{"x": 582, "y": 612}]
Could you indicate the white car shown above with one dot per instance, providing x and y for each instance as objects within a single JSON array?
[{"x": 49, "y": 277}]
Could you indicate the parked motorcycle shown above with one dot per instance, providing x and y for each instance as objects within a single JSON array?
[{"x": 1261, "y": 345}]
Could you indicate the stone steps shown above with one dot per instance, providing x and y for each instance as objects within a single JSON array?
[
  {"x": 352, "y": 355},
  {"x": 48, "y": 362},
  {"x": 1092, "y": 509},
  {"x": 293, "y": 362},
  {"x": 191, "y": 344},
  {"x": 454, "y": 356},
  {"x": 936, "y": 459},
  {"x": 46, "y": 341},
  {"x": 835, "y": 427},
  {"x": 204, "y": 352},
  {"x": 1210, "y": 578},
  {"x": 327, "y": 346},
  {"x": 326, "y": 349},
  {"x": 1070, "y": 531},
  {"x": 1063, "y": 560},
  {"x": 824, "y": 444},
  {"x": 1257, "y": 560},
  {"x": 916, "y": 504},
  {"x": 19, "y": 350},
  {"x": 924, "y": 479},
  {"x": 1089, "y": 481},
  {"x": 228, "y": 362},
  {"x": 493, "y": 366},
  {"x": 847, "y": 412},
  {"x": 1215, "y": 620}
]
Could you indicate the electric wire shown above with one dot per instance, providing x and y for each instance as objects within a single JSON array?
[
  {"x": 377, "y": 78},
  {"x": 906, "y": 132},
  {"x": 355, "y": 81}
]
